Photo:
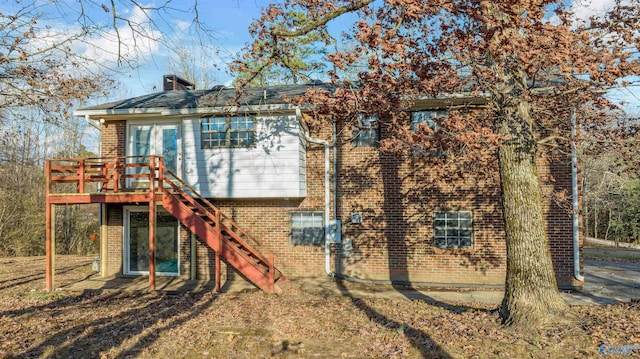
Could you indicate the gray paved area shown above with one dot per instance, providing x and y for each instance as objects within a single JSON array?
[
  {"x": 605, "y": 283},
  {"x": 609, "y": 282}
]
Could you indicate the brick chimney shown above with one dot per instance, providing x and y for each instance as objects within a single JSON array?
[{"x": 173, "y": 82}]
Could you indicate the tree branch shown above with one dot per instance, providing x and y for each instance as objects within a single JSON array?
[{"x": 322, "y": 20}]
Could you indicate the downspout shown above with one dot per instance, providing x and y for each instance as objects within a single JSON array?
[
  {"x": 335, "y": 190},
  {"x": 335, "y": 171},
  {"x": 327, "y": 196},
  {"x": 102, "y": 212},
  {"x": 574, "y": 200}
]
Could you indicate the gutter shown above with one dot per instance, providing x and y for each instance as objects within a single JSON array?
[
  {"x": 574, "y": 201},
  {"x": 327, "y": 196},
  {"x": 165, "y": 111}
]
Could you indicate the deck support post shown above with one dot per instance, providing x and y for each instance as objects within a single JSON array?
[
  {"x": 49, "y": 225},
  {"x": 218, "y": 250},
  {"x": 104, "y": 242},
  {"x": 50, "y": 245},
  {"x": 152, "y": 224},
  {"x": 194, "y": 255}
]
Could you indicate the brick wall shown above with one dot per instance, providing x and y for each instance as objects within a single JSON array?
[
  {"x": 396, "y": 198},
  {"x": 114, "y": 239},
  {"x": 114, "y": 138}
]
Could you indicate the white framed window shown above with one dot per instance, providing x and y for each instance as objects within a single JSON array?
[
  {"x": 228, "y": 131},
  {"x": 368, "y": 132},
  {"x": 307, "y": 229},
  {"x": 453, "y": 229},
  {"x": 427, "y": 117}
]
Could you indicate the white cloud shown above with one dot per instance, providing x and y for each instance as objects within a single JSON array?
[
  {"x": 584, "y": 9},
  {"x": 132, "y": 41}
]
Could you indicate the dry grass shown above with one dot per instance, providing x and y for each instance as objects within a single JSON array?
[
  {"x": 612, "y": 254},
  {"x": 252, "y": 324}
]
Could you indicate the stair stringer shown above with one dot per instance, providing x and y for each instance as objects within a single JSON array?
[{"x": 232, "y": 255}]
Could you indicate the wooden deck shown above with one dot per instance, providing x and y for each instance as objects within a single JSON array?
[{"x": 145, "y": 179}]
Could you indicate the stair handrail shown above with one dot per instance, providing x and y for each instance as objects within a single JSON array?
[
  {"x": 217, "y": 213},
  {"x": 222, "y": 215},
  {"x": 192, "y": 201}
]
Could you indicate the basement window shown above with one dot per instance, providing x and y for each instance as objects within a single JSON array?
[
  {"x": 229, "y": 131},
  {"x": 453, "y": 229},
  {"x": 307, "y": 229}
]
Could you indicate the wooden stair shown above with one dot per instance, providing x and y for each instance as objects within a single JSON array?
[{"x": 235, "y": 246}]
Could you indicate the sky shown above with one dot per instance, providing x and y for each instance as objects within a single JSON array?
[{"x": 229, "y": 21}]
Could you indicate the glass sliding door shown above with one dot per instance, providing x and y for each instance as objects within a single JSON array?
[
  {"x": 157, "y": 140},
  {"x": 136, "y": 251},
  {"x": 168, "y": 146},
  {"x": 141, "y": 147}
]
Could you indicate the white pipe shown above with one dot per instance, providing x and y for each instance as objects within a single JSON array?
[
  {"x": 574, "y": 200},
  {"x": 327, "y": 196},
  {"x": 102, "y": 211},
  {"x": 335, "y": 172},
  {"x": 88, "y": 119}
]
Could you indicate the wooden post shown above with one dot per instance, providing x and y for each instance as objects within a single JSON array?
[
  {"x": 193, "y": 254},
  {"x": 152, "y": 224},
  {"x": 81, "y": 171},
  {"x": 116, "y": 175},
  {"x": 104, "y": 242},
  {"x": 161, "y": 174},
  {"x": 218, "y": 250},
  {"x": 53, "y": 246},
  {"x": 48, "y": 248}
]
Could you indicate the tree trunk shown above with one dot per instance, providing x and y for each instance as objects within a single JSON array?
[
  {"x": 606, "y": 232},
  {"x": 618, "y": 232},
  {"x": 531, "y": 293},
  {"x": 595, "y": 223}
]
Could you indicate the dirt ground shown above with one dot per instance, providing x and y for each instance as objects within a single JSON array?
[{"x": 297, "y": 324}]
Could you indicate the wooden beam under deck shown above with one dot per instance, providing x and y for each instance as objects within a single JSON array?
[{"x": 87, "y": 198}]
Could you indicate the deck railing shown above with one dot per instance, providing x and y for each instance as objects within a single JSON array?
[{"x": 113, "y": 174}]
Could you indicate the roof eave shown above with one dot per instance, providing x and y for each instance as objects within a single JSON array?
[{"x": 187, "y": 111}]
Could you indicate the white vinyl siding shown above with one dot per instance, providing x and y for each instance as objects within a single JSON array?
[{"x": 272, "y": 168}]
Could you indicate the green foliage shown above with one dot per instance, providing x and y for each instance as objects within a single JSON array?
[
  {"x": 625, "y": 218},
  {"x": 304, "y": 60},
  {"x": 49, "y": 296},
  {"x": 22, "y": 189}
]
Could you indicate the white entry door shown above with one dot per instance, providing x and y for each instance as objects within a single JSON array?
[{"x": 157, "y": 140}]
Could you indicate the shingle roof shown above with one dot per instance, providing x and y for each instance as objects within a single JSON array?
[{"x": 215, "y": 97}]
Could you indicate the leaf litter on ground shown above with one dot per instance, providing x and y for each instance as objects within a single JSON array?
[{"x": 296, "y": 324}]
